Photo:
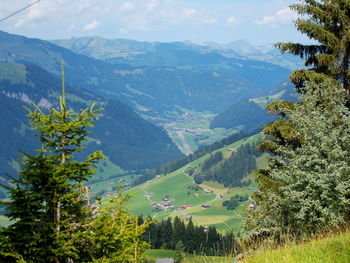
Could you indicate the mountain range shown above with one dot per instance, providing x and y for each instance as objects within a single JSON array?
[
  {"x": 157, "y": 80},
  {"x": 126, "y": 139}
]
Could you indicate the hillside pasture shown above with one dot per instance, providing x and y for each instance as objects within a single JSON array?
[{"x": 175, "y": 187}]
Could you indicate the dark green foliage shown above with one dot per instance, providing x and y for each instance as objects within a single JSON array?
[
  {"x": 213, "y": 159},
  {"x": 232, "y": 170},
  {"x": 198, "y": 179},
  {"x": 180, "y": 252},
  {"x": 130, "y": 141},
  {"x": 245, "y": 113},
  {"x": 45, "y": 200},
  {"x": 288, "y": 202},
  {"x": 113, "y": 235},
  {"x": 177, "y": 164},
  {"x": 327, "y": 22},
  {"x": 195, "y": 239},
  {"x": 234, "y": 201}
]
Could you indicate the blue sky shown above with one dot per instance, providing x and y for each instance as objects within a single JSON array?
[{"x": 199, "y": 21}]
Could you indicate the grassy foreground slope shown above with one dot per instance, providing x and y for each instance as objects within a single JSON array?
[
  {"x": 177, "y": 185},
  {"x": 152, "y": 254},
  {"x": 333, "y": 249}
]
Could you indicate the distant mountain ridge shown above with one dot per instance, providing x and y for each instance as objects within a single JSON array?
[
  {"x": 149, "y": 90},
  {"x": 179, "y": 55},
  {"x": 251, "y": 114},
  {"x": 148, "y": 53},
  {"x": 127, "y": 139}
]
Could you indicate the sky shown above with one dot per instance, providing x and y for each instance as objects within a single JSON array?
[{"x": 199, "y": 21}]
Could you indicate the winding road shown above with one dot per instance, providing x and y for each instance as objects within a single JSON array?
[{"x": 185, "y": 146}]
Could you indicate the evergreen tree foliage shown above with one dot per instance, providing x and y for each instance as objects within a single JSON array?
[
  {"x": 112, "y": 235},
  {"x": 327, "y": 22},
  {"x": 51, "y": 215},
  {"x": 308, "y": 188},
  {"x": 45, "y": 200},
  {"x": 178, "y": 163},
  {"x": 232, "y": 170},
  {"x": 195, "y": 239},
  {"x": 180, "y": 254},
  {"x": 213, "y": 159}
]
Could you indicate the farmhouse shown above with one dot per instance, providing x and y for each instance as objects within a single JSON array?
[
  {"x": 251, "y": 206},
  {"x": 208, "y": 191},
  {"x": 185, "y": 206}
]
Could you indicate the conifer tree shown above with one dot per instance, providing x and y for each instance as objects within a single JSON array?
[
  {"x": 112, "y": 235},
  {"x": 180, "y": 254},
  {"x": 46, "y": 205},
  {"x": 309, "y": 187},
  {"x": 327, "y": 22}
]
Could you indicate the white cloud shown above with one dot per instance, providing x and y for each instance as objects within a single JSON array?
[
  {"x": 211, "y": 21},
  {"x": 127, "y": 6},
  {"x": 189, "y": 12},
  {"x": 281, "y": 17},
  {"x": 123, "y": 30},
  {"x": 153, "y": 4},
  {"x": 233, "y": 20},
  {"x": 92, "y": 26},
  {"x": 31, "y": 15}
]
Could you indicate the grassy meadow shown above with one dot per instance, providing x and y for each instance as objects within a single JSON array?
[
  {"x": 330, "y": 249},
  {"x": 175, "y": 186},
  {"x": 153, "y": 254}
]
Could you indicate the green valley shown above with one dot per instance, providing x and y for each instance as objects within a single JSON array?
[{"x": 176, "y": 194}]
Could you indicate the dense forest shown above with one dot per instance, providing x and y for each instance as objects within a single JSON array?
[
  {"x": 246, "y": 113},
  {"x": 178, "y": 163},
  {"x": 195, "y": 239},
  {"x": 232, "y": 170}
]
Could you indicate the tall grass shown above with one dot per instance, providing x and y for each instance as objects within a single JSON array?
[{"x": 327, "y": 248}]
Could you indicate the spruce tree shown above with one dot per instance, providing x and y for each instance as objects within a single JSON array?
[
  {"x": 46, "y": 204},
  {"x": 180, "y": 254},
  {"x": 309, "y": 187},
  {"x": 112, "y": 235},
  {"x": 327, "y": 22}
]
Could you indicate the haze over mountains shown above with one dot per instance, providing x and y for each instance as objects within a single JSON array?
[{"x": 158, "y": 80}]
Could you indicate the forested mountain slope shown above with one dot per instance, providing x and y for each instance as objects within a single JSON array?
[
  {"x": 150, "y": 90},
  {"x": 127, "y": 139},
  {"x": 251, "y": 114}
]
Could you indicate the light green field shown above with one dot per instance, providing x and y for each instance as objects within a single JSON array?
[
  {"x": 16, "y": 73},
  {"x": 333, "y": 249},
  {"x": 195, "y": 127},
  {"x": 153, "y": 254},
  {"x": 175, "y": 185}
]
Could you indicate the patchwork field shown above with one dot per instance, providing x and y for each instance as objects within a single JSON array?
[{"x": 178, "y": 190}]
